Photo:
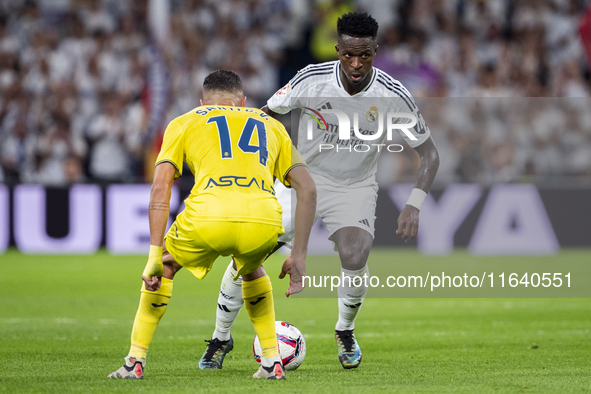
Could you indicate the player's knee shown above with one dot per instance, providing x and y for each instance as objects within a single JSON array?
[
  {"x": 354, "y": 256},
  {"x": 170, "y": 268},
  {"x": 256, "y": 274}
]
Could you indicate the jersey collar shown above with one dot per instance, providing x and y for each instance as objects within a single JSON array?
[{"x": 339, "y": 83}]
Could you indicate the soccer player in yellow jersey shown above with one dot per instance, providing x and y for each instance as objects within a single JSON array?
[{"x": 234, "y": 153}]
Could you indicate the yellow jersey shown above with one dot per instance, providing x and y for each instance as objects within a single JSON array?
[{"x": 233, "y": 152}]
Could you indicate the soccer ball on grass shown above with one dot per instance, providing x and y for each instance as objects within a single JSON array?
[{"x": 292, "y": 346}]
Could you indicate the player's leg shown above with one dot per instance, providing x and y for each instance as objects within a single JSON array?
[
  {"x": 353, "y": 245},
  {"x": 230, "y": 296},
  {"x": 152, "y": 307},
  {"x": 256, "y": 242},
  {"x": 258, "y": 297},
  {"x": 349, "y": 215},
  {"x": 230, "y": 302}
]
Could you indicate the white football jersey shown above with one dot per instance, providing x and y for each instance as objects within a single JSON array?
[{"x": 333, "y": 161}]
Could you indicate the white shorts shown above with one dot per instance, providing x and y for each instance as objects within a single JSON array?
[{"x": 338, "y": 208}]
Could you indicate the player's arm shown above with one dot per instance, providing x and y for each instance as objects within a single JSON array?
[
  {"x": 158, "y": 213},
  {"x": 285, "y": 99},
  {"x": 408, "y": 221},
  {"x": 272, "y": 114},
  {"x": 301, "y": 180}
]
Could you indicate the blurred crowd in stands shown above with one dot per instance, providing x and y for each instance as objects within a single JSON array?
[
  {"x": 86, "y": 90},
  {"x": 488, "y": 140}
]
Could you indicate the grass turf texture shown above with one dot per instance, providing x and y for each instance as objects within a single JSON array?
[{"x": 65, "y": 324}]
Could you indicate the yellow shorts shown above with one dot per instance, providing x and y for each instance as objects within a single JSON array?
[{"x": 196, "y": 246}]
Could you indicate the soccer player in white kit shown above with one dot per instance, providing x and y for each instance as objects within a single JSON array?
[{"x": 344, "y": 177}]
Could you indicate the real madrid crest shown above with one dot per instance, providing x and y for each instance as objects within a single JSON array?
[{"x": 372, "y": 114}]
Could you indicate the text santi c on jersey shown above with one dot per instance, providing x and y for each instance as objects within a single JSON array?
[{"x": 345, "y": 131}]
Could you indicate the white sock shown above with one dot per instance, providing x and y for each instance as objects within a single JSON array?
[
  {"x": 229, "y": 303},
  {"x": 351, "y": 297}
]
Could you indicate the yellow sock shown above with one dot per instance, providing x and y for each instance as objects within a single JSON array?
[
  {"x": 152, "y": 307},
  {"x": 258, "y": 299}
]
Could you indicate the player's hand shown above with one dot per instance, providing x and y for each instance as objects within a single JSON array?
[
  {"x": 295, "y": 286},
  {"x": 153, "y": 283},
  {"x": 408, "y": 223},
  {"x": 285, "y": 268},
  {"x": 296, "y": 275},
  {"x": 152, "y": 275}
]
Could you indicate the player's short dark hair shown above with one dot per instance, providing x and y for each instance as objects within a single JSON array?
[
  {"x": 224, "y": 80},
  {"x": 356, "y": 24}
]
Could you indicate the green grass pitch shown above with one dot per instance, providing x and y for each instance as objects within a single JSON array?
[{"x": 65, "y": 323}]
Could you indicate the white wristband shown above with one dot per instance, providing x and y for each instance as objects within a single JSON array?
[{"x": 417, "y": 198}]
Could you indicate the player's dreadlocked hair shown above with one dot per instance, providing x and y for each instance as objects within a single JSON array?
[
  {"x": 356, "y": 24},
  {"x": 224, "y": 80}
]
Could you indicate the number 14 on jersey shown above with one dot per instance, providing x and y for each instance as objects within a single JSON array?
[{"x": 245, "y": 137}]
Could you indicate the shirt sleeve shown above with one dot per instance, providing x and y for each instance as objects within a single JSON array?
[
  {"x": 288, "y": 158},
  {"x": 420, "y": 131},
  {"x": 172, "y": 148},
  {"x": 288, "y": 97}
]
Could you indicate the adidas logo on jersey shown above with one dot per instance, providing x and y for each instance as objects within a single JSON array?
[{"x": 365, "y": 221}]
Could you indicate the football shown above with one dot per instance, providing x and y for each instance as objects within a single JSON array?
[{"x": 292, "y": 346}]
